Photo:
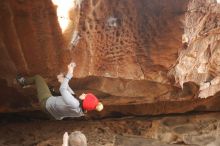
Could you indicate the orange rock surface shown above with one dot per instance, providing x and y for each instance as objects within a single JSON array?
[{"x": 123, "y": 51}]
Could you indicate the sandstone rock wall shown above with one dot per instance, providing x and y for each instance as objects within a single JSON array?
[
  {"x": 31, "y": 43},
  {"x": 31, "y": 40},
  {"x": 129, "y": 39},
  {"x": 123, "y": 50},
  {"x": 199, "y": 58},
  {"x": 122, "y": 39}
]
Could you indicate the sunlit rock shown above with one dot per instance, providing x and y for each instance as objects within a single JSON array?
[{"x": 199, "y": 62}]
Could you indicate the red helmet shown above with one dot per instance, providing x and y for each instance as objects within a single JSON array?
[{"x": 90, "y": 102}]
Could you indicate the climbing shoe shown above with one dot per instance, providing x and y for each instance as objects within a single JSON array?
[
  {"x": 21, "y": 80},
  {"x": 53, "y": 91}
]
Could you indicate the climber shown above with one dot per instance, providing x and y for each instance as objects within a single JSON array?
[
  {"x": 76, "y": 138},
  {"x": 65, "y": 105}
]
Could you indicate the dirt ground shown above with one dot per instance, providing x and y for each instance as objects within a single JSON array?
[
  {"x": 25, "y": 131},
  {"x": 185, "y": 129}
]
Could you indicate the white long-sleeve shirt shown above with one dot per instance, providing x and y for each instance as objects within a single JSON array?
[
  {"x": 70, "y": 90},
  {"x": 65, "y": 105}
]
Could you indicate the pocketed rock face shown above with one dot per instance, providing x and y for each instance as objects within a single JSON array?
[
  {"x": 199, "y": 60},
  {"x": 117, "y": 39},
  {"x": 129, "y": 39},
  {"x": 123, "y": 50}
]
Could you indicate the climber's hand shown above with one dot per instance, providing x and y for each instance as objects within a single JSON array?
[
  {"x": 60, "y": 77},
  {"x": 71, "y": 67},
  {"x": 65, "y": 139}
]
